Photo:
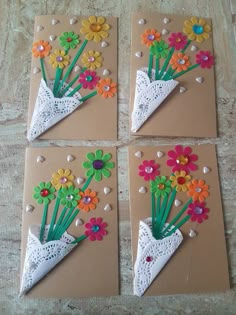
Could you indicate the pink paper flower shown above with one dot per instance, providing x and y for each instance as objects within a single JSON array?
[
  {"x": 198, "y": 211},
  {"x": 149, "y": 170},
  {"x": 89, "y": 79},
  {"x": 177, "y": 40},
  {"x": 181, "y": 159},
  {"x": 205, "y": 59},
  {"x": 95, "y": 229}
]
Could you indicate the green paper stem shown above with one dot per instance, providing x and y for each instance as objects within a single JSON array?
[
  {"x": 150, "y": 63},
  {"x": 43, "y": 69},
  {"x": 58, "y": 223},
  {"x": 72, "y": 64},
  {"x": 167, "y": 74},
  {"x": 57, "y": 80},
  {"x": 86, "y": 184},
  {"x": 166, "y": 62},
  {"x": 67, "y": 224},
  {"x": 162, "y": 210},
  {"x": 176, "y": 218},
  {"x": 167, "y": 210},
  {"x": 185, "y": 71},
  {"x": 153, "y": 213},
  {"x": 54, "y": 215},
  {"x": 79, "y": 239},
  {"x": 157, "y": 68},
  {"x": 63, "y": 92},
  {"x": 158, "y": 209},
  {"x": 186, "y": 46},
  {"x": 182, "y": 222},
  {"x": 170, "y": 74},
  {"x": 77, "y": 88},
  {"x": 44, "y": 219},
  {"x": 85, "y": 98}
]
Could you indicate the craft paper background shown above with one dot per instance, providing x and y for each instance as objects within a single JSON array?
[
  {"x": 189, "y": 114},
  {"x": 91, "y": 269},
  {"x": 200, "y": 263},
  {"x": 87, "y": 122}
]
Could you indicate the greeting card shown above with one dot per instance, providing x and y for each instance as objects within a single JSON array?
[
  {"x": 73, "y": 78},
  {"x": 172, "y": 76},
  {"x": 69, "y": 227},
  {"x": 176, "y": 220}
]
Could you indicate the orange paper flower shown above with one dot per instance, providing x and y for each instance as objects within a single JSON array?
[
  {"x": 41, "y": 49},
  {"x": 198, "y": 190},
  {"x": 88, "y": 200},
  {"x": 180, "y": 62},
  {"x": 149, "y": 36},
  {"x": 106, "y": 88}
]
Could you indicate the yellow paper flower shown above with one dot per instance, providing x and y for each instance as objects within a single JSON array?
[
  {"x": 180, "y": 181},
  {"x": 95, "y": 28},
  {"x": 62, "y": 179},
  {"x": 92, "y": 59},
  {"x": 197, "y": 29},
  {"x": 59, "y": 59}
]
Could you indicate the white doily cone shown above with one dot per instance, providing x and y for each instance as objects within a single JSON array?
[
  {"x": 158, "y": 253},
  {"x": 49, "y": 110},
  {"x": 41, "y": 258},
  {"x": 149, "y": 94}
]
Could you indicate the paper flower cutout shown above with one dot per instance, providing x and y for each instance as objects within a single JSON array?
[
  {"x": 177, "y": 40},
  {"x": 98, "y": 165},
  {"x": 198, "y": 190},
  {"x": 197, "y": 29},
  {"x": 180, "y": 181},
  {"x": 182, "y": 159},
  {"x": 88, "y": 79},
  {"x": 92, "y": 59},
  {"x": 95, "y": 28},
  {"x": 44, "y": 193},
  {"x": 95, "y": 229},
  {"x": 205, "y": 59},
  {"x": 62, "y": 178},
  {"x": 59, "y": 59},
  {"x": 180, "y": 62},
  {"x": 198, "y": 211},
  {"x": 149, "y": 170},
  {"x": 41, "y": 49},
  {"x": 159, "y": 49},
  {"x": 161, "y": 186},
  {"x": 69, "y": 196},
  {"x": 88, "y": 200},
  {"x": 149, "y": 36},
  {"x": 106, "y": 88},
  {"x": 69, "y": 40}
]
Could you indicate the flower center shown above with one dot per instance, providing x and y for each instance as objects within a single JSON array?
[
  {"x": 198, "y": 189},
  {"x": 178, "y": 40},
  {"x": 95, "y": 228},
  {"x": 98, "y": 164},
  {"x": 69, "y": 39},
  {"x": 148, "y": 169},
  {"x": 161, "y": 186},
  {"x": 182, "y": 160},
  {"x": 91, "y": 59},
  {"x": 198, "y": 29},
  {"x": 198, "y": 210},
  {"x": 106, "y": 88},
  {"x": 181, "y": 61},
  {"x": 95, "y": 27},
  {"x": 40, "y": 48},
  {"x": 150, "y": 37},
  {"x": 181, "y": 180},
  {"x": 59, "y": 58},
  {"x": 149, "y": 258},
  {"x": 69, "y": 197},
  {"x": 87, "y": 199},
  {"x": 160, "y": 49},
  {"x": 44, "y": 192},
  {"x": 63, "y": 180},
  {"x": 205, "y": 58},
  {"x": 89, "y": 78}
]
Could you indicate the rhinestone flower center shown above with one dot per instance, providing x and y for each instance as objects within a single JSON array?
[
  {"x": 40, "y": 48},
  {"x": 87, "y": 199},
  {"x": 106, "y": 88},
  {"x": 148, "y": 169},
  {"x": 89, "y": 78},
  {"x": 95, "y": 27},
  {"x": 98, "y": 164},
  {"x": 59, "y": 58},
  {"x": 205, "y": 58},
  {"x": 150, "y": 37},
  {"x": 63, "y": 180},
  {"x": 198, "y": 210},
  {"x": 44, "y": 192},
  {"x": 69, "y": 39},
  {"x": 181, "y": 61},
  {"x": 181, "y": 180},
  {"x": 91, "y": 59},
  {"x": 182, "y": 160},
  {"x": 95, "y": 228},
  {"x": 69, "y": 197},
  {"x": 198, "y": 189},
  {"x": 198, "y": 29},
  {"x": 161, "y": 186}
]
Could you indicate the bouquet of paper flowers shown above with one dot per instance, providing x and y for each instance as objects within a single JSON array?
[
  {"x": 154, "y": 85},
  {"x": 59, "y": 97},
  {"x": 158, "y": 237},
  {"x": 48, "y": 244}
]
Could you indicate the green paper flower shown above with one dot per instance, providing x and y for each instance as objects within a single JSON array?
[
  {"x": 159, "y": 49},
  {"x": 160, "y": 186},
  {"x": 98, "y": 165},
  {"x": 44, "y": 193},
  {"x": 69, "y": 40},
  {"x": 69, "y": 196}
]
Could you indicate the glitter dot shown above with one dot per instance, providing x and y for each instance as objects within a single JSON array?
[
  {"x": 98, "y": 164},
  {"x": 69, "y": 197},
  {"x": 59, "y": 58},
  {"x": 86, "y": 199},
  {"x": 198, "y": 189},
  {"x": 181, "y": 180},
  {"x": 40, "y": 48},
  {"x": 181, "y": 61},
  {"x": 63, "y": 180},
  {"x": 198, "y": 210},
  {"x": 150, "y": 37},
  {"x": 44, "y": 192},
  {"x": 148, "y": 169},
  {"x": 91, "y": 59},
  {"x": 149, "y": 259},
  {"x": 89, "y": 78},
  {"x": 198, "y": 29},
  {"x": 95, "y": 228}
]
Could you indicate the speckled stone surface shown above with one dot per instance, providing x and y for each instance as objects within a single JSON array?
[{"x": 16, "y": 30}]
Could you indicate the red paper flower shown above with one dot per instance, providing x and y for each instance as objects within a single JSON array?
[
  {"x": 182, "y": 159},
  {"x": 95, "y": 229},
  {"x": 149, "y": 170},
  {"x": 198, "y": 211},
  {"x": 205, "y": 59},
  {"x": 177, "y": 40},
  {"x": 89, "y": 79}
]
